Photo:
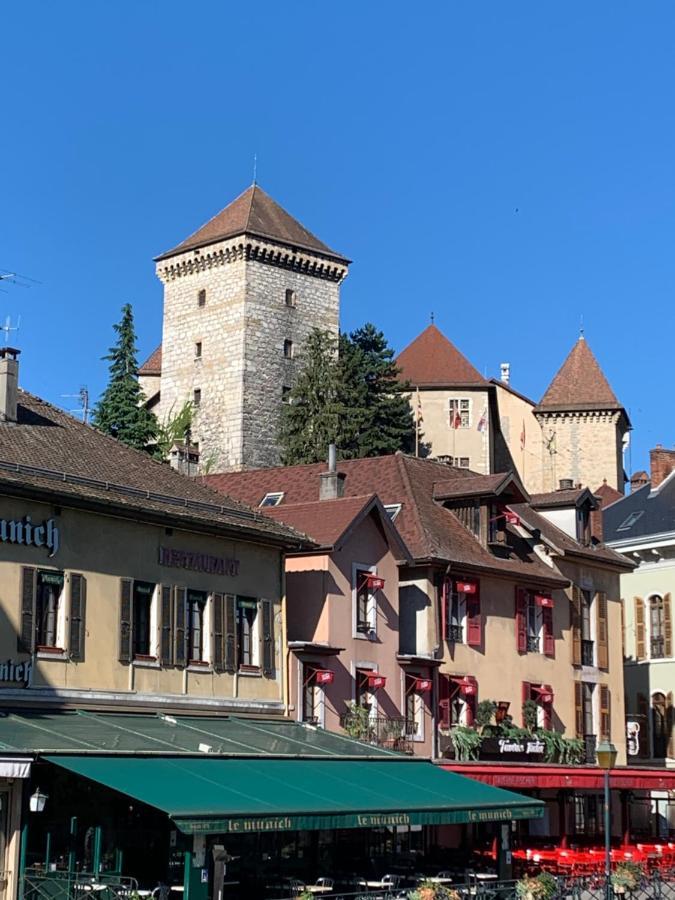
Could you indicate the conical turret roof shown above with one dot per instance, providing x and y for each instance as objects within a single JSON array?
[
  {"x": 431, "y": 359},
  {"x": 255, "y": 213},
  {"x": 579, "y": 384}
]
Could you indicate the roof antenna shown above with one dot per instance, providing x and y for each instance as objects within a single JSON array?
[
  {"x": 581, "y": 328},
  {"x": 255, "y": 168},
  {"x": 432, "y": 317},
  {"x": 8, "y": 328},
  {"x": 83, "y": 396}
]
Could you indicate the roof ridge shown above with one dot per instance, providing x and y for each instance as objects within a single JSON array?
[{"x": 407, "y": 483}]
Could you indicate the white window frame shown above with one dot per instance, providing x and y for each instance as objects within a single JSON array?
[
  {"x": 392, "y": 510},
  {"x": 647, "y": 615},
  {"x": 418, "y": 735},
  {"x": 320, "y": 694},
  {"x": 461, "y": 612},
  {"x": 276, "y": 496},
  {"x": 62, "y": 614},
  {"x": 456, "y": 402},
  {"x": 154, "y": 627},
  {"x": 207, "y": 642},
  {"x": 255, "y": 635},
  {"x": 538, "y": 623},
  {"x": 372, "y": 604},
  {"x": 370, "y": 666}
]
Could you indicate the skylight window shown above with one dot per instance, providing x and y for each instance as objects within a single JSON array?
[
  {"x": 392, "y": 510},
  {"x": 272, "y": 499},
  {"x": 630, "y": 521}
]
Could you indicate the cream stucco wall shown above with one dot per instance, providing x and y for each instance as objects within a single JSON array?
[
  {"x": 444, "y": 440},
  {"x": 515, "y": 414},
  {"x": 104, "y": 550}
]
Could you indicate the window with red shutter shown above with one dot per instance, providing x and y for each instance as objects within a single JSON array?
[
  {"x": 549, "y": 640},
  {"x": 470, "y": 701},
  {"x": 521, "y": 620},
  {"x": 444, "y": 701},
  {"x": 474, "y": 620}
]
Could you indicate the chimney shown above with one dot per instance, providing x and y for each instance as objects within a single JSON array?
[
  {"x": 184, "y": 458},
  {"x": 566, "y": 484},
  {"x": 661, "y": 464},
  {"x": 505, "y": 372},
  {"x": 332, "y": 484},
  {"x": 638, "y": 480},
  {"x": 9, "y": 383}
]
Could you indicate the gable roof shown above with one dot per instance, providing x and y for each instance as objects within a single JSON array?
[
  {"x": 429, "y": 530},
  {"x": 329, "y": 522},
  {"x": 153, "y": 364},
  {"x": 579, "y": 384},
  {"x": 566, "y": 498},
  {"x": 479, "y": 486},
  {"x": 254, "y": 213},
  {"x": 608, "y": 494},
  {"x": 432, "y": 360},
  {"x": 47, "y": 454}
]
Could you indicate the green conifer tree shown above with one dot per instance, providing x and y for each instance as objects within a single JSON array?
[{"x": 120, "y": 411}]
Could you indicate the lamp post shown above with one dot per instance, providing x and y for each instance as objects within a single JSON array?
[{"x": 606, "y": 756}]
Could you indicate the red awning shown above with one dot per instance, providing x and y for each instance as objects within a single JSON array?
[
  {"x": 465, "y": 587},
  {"x": 575, "y": 777},
  {"x": 422, "y": 685},
  {"x": 467, "y": 685},
  {"x": 511, "y": 517},
  {"x": 375, "y": 680},
  {"x": 373, "y": 581},
  {"x": 544, "y": 692},
  {"x": 543, "y": 600},
  {"x": 323, "y": 676}
]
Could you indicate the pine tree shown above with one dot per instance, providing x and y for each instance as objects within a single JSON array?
[
  {"x": 387, "y": 422},
  {"x": 310, "y": 418},
  {"x": 120, "y": 411}
]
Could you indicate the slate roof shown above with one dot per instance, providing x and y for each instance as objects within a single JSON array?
[
  {"x": 254, "y": 213},
  {"x": 430, "y": 531},
  {"x": 432, "y": 360},
  {"x": 554, "y": 499},
  {"x": 644, "y": 512},
  {"x": 579, "y": 384},
  {"x": 477, "y": 486},
  {"x": 559, "y": 539},
  {"x": 153, "y": 364},
  {"x": 47, "y": 453}
]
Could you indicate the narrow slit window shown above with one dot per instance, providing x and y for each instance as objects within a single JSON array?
[
  {"x": 291, "y": 297},
  {"x": 288, "y": 349},
  {"x": 197, "y": 397},
  {"x": 201, "y": 297},
  {"x": 198, "y": 350}
]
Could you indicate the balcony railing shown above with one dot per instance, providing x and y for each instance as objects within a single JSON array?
[
  {"x": 587, "y": 653},
  {"x": 658, "y": 648},
  {"x": 532, "y": 643},
  {"x": 392, "y": 732},
  {"x": 456, "y": 634}
]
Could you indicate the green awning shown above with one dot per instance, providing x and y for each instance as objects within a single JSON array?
[{"x": 248, "y": 795}]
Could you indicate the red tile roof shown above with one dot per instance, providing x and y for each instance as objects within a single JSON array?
[
  {"x": 429, "y": 530},
  {"x": 432, "y": 360},
  {"x": 579, "y": 384},
  {"x": 608, "y": 494},
  {"x": 569, "y": 497},
  {"x": 153, "y": 364},
  {"x": 255, "y": 213}
]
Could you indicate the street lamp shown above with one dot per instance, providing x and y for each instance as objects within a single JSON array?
[{"x": 606, "y": 756}]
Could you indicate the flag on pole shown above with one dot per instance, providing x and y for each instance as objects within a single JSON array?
[
  {"x": 522, "y": 437},
  {"x": 456, "y": 421},
  {"x": 418, "y": 412},
  {"x": 482, "y": 422}
]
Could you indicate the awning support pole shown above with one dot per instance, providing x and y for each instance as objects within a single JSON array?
[
  {"x": 504, "y": 864},
  {"x": 71, "y": 849}
]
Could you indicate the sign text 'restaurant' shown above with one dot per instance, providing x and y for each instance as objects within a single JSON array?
[{"x": 198, "y": 562}]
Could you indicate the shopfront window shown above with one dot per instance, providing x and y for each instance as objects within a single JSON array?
[
  {"x": 49, "y": 590},
  {"x": 196, "y": 601},
  {"x": 143, "y": 594}
]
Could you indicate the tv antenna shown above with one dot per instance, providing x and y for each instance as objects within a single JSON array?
[
  {"x": 15, "y": 278},
  {"x": 8, "y": 328},
  {"x": 83, "y": 396}
]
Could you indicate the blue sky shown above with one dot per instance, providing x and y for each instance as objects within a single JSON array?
[{"x": 508, "y": 166}]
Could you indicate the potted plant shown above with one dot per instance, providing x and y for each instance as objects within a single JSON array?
[
  {"x": 530, "y": 715},
  {"x": 466, "y": 743},
  {"x": 429, "y": 890},
  {"x": 626, "y": 877},
  {"x": 539, "y": 887}
]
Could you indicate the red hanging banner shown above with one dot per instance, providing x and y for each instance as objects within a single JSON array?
[
  {"x": 543, "y": 600},
  {"x": 372, "y": 581},
  {"x": 544, "y": 692},
  {"x": 465, "y": 587},
  {"x": 375, "y": 680},
  {"x": 323, "y": 676},
  {"x": 422, "y": 685},
  {"x": 511, "y": 517}
]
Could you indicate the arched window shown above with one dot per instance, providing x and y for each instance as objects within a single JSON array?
[
  {"x": 657, "y": 627},
  {"x": 660, "y": 725}
]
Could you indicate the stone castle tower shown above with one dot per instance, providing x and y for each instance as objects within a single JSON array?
[
  {"x": 584, "y": 427},
  {"x": 241, "y": 295}
]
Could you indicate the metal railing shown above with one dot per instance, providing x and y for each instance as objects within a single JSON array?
[
  {"x": 39, "y": 885},
  {"x": 587, "y": 653},
  {"x": 455, "y": 634},
  {"x": 657, "y": 648},
  {"x": 532, "y": 643},
  {"x": 390, "y": 732}
]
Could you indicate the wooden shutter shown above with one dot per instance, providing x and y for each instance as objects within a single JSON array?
[
  {"x": 445, "y": 612},
  {"x": 639, "y": 627},
  {"x": 444, "y": 701},
  {"x": 605, "y": 712},
  {"x": 579, "y": 708},
  {"x": 26, "y": 638},
  {"x": 601, "y": 629},
  {"x": 218, "y": 656},
  {"x": 623, "y": 630},
  {"x": 547, "y": 621},
  {"x": 576, "y": 625},
  {"x": 230, "y": 633},
  {"x": 474, "y": 620},
  {"x": 470, "y": 703},
  {"x": 76, "y": 626},
  {"x": 548, "y": 711},
  {"x": 525, "y": 691},
  {"x": 667, "y": 627},
  {"x": 670, "y": 723},
  {"x": 643, "y": 720},
  {"x": 521, "y": 620},
  {"x": 179, "y": 627},
  {"x": 267, "y": 638},
  {"x": 126, "y": 612},
  {"x": 165, "y": 625}
]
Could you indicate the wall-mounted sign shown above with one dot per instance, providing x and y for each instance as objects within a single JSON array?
[
  {"x": 527, "y": 747},
  {"x": 465, "y": 587},
  {"x": 633, "y": 738},
  {"x": 23, "y": 531},
  {"x": 422, "y": 685},
  {"x": 198, "y": 562},
  {"x": 324, "y": 676},
  {"x": 16, "y": 673}
]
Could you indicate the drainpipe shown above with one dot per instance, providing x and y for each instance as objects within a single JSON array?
[{"x": 285, "y": 651}]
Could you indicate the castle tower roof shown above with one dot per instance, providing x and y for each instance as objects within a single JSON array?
[
  {"x": 431, "y": 359},
  {"x": 579, "y": 384},
  {"x": 254, "y": 213}
]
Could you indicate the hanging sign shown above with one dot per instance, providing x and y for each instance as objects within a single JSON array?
[
  {"x": 423, "y": 685},
  {"x": 543, "y": 600},
  {"x": 465, "y": 587},
  {"x": 511, "y": 517},
  {"x": 323, "y": 676},
  {"x": 374, "y": 582},
  {"x": 376, "y": 680},
  {"x": 23, "y": 531},
  {"x": 633, "y": 738}
]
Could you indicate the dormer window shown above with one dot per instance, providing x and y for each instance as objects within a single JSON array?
[
  {"x": 392, "y": 510},
  {"x": 274, "y": 498},
  {"x": 584, "y": 525}
]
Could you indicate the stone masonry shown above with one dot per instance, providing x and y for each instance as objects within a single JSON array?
[{"x": 241, "y": 370}]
